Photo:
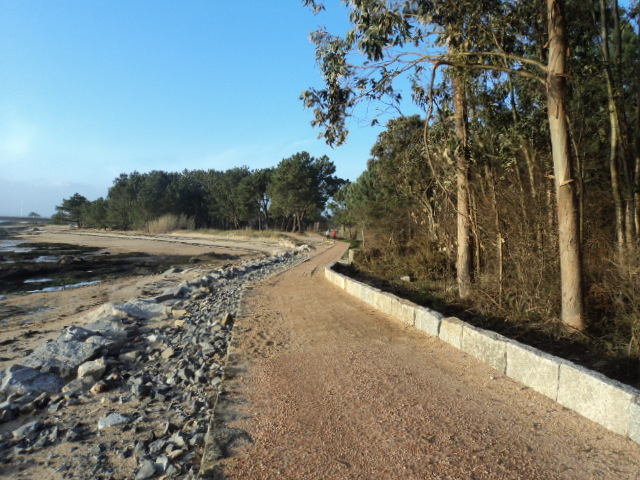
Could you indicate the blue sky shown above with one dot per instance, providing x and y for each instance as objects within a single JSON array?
[{"x": 90, "y": 89}]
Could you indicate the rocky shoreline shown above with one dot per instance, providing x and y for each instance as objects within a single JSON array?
[{"x": 130, "y": 393}]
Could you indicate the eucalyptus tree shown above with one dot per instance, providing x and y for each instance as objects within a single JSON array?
[{"x": 401, "y": 38}]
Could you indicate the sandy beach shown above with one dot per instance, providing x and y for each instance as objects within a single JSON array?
[{"x": 28, "y": 320}]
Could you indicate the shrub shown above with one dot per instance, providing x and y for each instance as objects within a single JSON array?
[{"x": 170, "y": 223}]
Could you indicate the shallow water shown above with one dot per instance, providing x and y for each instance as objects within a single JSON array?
[
  {"x": 64, "y": 287},
  {"x": 38, "y": 280},
  {"x": 13, "y": 246}
]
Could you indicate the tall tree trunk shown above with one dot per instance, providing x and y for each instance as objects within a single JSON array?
[
  {"x": 463, "y": 264},
  {"x": 499, "y": 239},
  {"x": 567, "y": 200},
  {"x": 637, "y": 157},
  {"x": 579, "y": 177},
  {"x": 615, "y": 136}
]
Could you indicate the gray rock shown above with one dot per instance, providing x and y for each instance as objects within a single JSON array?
[
  {"x": 74, "y": 434},
  {"x": 62, "y": 358},
  {"x": 173, "y": 270},
  {"x": 94, "y": 369},
  {"x": 8, "y": 411},
  {"x": 142, "y": 309},
  {"x": 147, "y": 470},
  {"x": 75, "y": 334},
  {"x": 112, "y": 420},
  {"x": 27, "y": 430},
  {"x": 22, "y": 379},
  {"x": 112, "y": 327},
  {"x": 78, "y": 386},
  {"x": 168, "y": 352},
  {"x": 162, "y": 463},
  {"x": 129, "y": 357},
  {"x": 157, "y": 446}
]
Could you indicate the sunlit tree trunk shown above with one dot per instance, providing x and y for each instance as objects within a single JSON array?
[
  {"x": 614, "y": 137},
  {"x": 497, "y": 224},
  {"x": 463, "y": 264},
  {"x": 565, "y": 184},
  {"x": 637, "y": 160}
]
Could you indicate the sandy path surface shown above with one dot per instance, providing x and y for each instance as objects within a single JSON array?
[
  {"x": 330, "y": 388},
  {"x": 174, "y": 244}
]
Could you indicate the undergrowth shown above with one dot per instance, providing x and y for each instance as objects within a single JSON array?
[{"x": 608, "y": 345}]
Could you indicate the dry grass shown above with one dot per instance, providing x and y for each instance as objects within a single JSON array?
[
  {"x": 169, "y": 224},
  {"x": 528, "y": 310}
]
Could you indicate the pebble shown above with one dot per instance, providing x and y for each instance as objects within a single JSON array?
[{"x": 112, "y": 420}]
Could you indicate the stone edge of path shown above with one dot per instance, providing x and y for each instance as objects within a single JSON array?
[{"x": 610, "y": 403}]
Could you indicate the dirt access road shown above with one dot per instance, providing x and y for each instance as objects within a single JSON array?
[{"x": 331, "y": 389}]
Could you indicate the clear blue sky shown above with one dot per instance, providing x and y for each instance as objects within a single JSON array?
[{"x": 90, "y": 89}]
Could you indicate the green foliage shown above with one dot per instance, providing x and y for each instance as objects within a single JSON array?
[
  {"x": 71, "y": 210},
  {"x": 404, "y": 205},
  {"x": 301, "y": 185},
  {"x": 95, "y": 213},
  {"x": 233, "y": 199}
]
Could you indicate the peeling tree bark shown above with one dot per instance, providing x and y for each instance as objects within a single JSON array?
[{"x": 565, "y": 184}]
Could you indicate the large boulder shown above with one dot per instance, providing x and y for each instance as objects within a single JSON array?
[
  {"x": 112, "y": 327},
  {"x": 142, "y": 309},
  {"x": 21, "y": 380},
  {"x": 62, "y": 358}
]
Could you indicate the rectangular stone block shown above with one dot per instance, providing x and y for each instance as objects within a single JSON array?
[
  {"x": 354, "y": 288},
  {"x": 533, "y": 368},
  {"x": 428, "y": 320},
  {"x": 488, "y": 347},
  {"x": 634, "y": 420},
  {"x": 404, "y": 310},
  {"x": 398, "y": 308},
  {"x": 596, "y": 397},
  {"x": 382, "y": 301},
  {"x": 451, "y": 331},
  {"x": 369, "y": 294},
  {"x": 334, "y": 277}
]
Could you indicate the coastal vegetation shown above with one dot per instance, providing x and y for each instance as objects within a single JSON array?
[
  {"x": 517, "y": 194},
  {"x": 286, "y": 197}
]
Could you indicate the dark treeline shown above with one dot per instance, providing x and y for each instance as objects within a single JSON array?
[
  {"x": 286, "y": 197},
  {"x": 520, "y": 197}
]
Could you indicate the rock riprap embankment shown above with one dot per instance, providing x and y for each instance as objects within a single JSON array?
[{"x": 129, "y": 393}]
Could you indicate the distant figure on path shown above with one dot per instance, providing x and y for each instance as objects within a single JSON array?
[
  {"x": 328, "y": 233},
  {"x": 334, "y": 234}
]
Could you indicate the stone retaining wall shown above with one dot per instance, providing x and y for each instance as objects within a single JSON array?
[{"x": 613, "y": 405}]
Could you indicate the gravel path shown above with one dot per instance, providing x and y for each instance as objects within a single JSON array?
[{"x": 329, "y": 388}]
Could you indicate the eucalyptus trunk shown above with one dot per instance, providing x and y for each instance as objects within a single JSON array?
[
  {"x": 614, "y": 148},
  {"x": 565, "y": 184},
  {"x": 463, "y": 264}
]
